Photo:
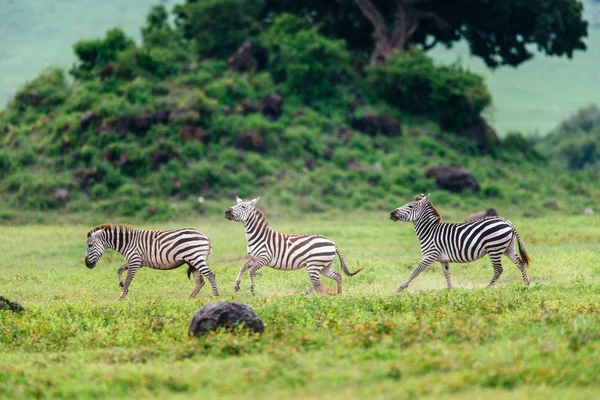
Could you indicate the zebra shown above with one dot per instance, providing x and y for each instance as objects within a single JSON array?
[
  {"x": 460, "y": 242},
  {"x": 281, "y": 251},
  {"x": 167, "y": 249}
]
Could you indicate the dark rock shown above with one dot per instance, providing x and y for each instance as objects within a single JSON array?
[
  {"x": 188, "y": 133},
  {"x": 161, "y": 156},
  {"x": 490, "y": 212},
  {"x": 529, "y": 214},
  {"x": 551, "y": 204},
  {"x": 60, "y": 195},
  {"x": 227, "y": 314},
  {"x": 87, "y": 119},
  {"x": 482, "y": 134},
  {"x": 87, "y": 178},
  {"x": 183, "y": 114},
  {"x": 8, "y": 305},
  {"x": 108, "y": 71},
  {"x": 310, "y": 163},
  {"x": 250, "y": 108},
  {"x": 241, "y": 60},
  {"x": 161, "y": 117},
  {"x": 344, "y": 134},
  {"x": 250, "y": 141},
  {"x": 452, "y": 178},
  {"x": 272, "y": 105},
  {"x": 378, "y": 124}
]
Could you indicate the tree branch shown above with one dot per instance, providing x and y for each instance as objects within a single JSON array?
[{"x": 374, "y": 16}]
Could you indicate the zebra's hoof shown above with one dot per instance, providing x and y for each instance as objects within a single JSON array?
[
  {"x": 236, "y": 289},
  {"x": 400, "y": 289}
]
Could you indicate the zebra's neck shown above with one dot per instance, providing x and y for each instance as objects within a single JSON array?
[
  {"x": 257, "y": 227},
  {"x": 428, "y": 219},
  {"x": 118, "y": 237}
]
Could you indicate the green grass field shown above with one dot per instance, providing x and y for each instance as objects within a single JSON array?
[{"x": 75, "y": 340}]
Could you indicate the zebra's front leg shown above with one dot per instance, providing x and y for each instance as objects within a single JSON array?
[
  {"x": 131, "y": 270},
  {"x": 253, "y": 270},
  {"x": 208, "y": 274},
  {"x": 245, "y": 267},
  {"x": 497, "y": 264},
  {"x": 120, "y": 271},
  {"x": 425, "y": 262},
  {"x": 446, "y": 268}
]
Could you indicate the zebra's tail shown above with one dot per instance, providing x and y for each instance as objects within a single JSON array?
[
  {"x": 344, "y": 265},
  {"x": 524, "y": 255},
  {"x": 190, "y": 270}
]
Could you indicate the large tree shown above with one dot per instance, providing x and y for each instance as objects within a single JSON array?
[{"x": 501, "y": 32}]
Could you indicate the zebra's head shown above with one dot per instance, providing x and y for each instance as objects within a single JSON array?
[
  {"x": 95, "y": 248},
  {"x": 411, "y": 211},
  {"x": 242, "y": 210}
]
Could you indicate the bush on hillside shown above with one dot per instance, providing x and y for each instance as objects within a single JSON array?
[
  {"x": 448, "y": 94},
  {"x": 217, "y": 27},
  {"x": 93, "y": 55},
  {"x": 303, "y": 59},
  {"x": 45, "y": 92}
]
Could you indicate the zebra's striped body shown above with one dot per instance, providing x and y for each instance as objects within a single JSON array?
[
  {"x": 154, "y": 249},
  {"x": 286, "y": 252},
  {"x": 461, "y": 242}
]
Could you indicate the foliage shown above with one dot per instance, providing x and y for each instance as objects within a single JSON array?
[
  {"x": 75, "y": 340},
  {"x": 413, "y": 83},
  {"x": 301, "y": 55},
  {"x": 500, "y": 33},
  {"x": 94, "y": 55},
  {"x": 574, "y": 144},
  {"x": 218, "y": 27}
]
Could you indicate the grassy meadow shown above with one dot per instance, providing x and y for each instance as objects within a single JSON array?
[{"x": 75, "y": 340}]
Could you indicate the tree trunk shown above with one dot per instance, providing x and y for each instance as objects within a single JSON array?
[{"x": 403, "y": 29}]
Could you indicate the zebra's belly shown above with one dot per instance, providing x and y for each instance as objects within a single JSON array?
[
  {"x": 460, "y": 257},
  {"x": 165, "y": 265}
]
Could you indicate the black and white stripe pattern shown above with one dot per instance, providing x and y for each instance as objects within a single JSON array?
[
  {"x": 281, "y": 251},
  {"x": 154, "y": 249},
  {"x": 461, "y": 243}
]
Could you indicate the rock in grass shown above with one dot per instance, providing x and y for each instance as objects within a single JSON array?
[
  {"x": 6, "y": 304},
  {"x": 227, "y": 314}
]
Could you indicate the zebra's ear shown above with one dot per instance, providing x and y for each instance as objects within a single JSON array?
[
  {"x": 427, "y": 197},
  {"x": 238, "y": 200},
  {"x": 254, "y": 201}
]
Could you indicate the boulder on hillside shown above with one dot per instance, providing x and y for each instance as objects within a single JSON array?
[
  {"x": 481, "y": 134},
  {"x": 60, "y": 195},
  {"x": 6, "y": 304},
  {"x": 227, "y": 314},
  {"x": 162, "y": 156},
  {"x": 378, "y": 124},
  {"x": 588, "y": 211},
  {"x": 453, "y": 179},
  {"x": 272, "y": 105},
  {"x": 241, "y": 60},
  {"x": 86, "y": 178},
  {"x": 87, "y": 119},
  {"x": 250, "y": 141},
  {"x": 344, "y": 134},
  {"x": 490, "y": 212},
  {"x": 189, "y": 132}
]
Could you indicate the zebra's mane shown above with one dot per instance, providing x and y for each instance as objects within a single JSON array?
[
  {"x": 109, "y": 226},
  {"x": 437, "y": 213},
  {"x": 261, "y": 215}
]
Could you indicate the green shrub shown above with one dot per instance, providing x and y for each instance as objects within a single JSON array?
[
  {"x": 412, "y": 82},
  {"x": 6, "y": 164},
  {"x": 300, "y": 55},
  {"x": 93, "y": 55},
  {"x": 218, "y": 27},
  {"x": 44, "y": 92},
  {"x": 492, "y": 191}
]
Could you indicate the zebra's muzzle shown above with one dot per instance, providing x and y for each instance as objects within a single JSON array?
[
  {"x": 393, "y": 216},
  {"x": 89, "y": 264},
  {"x": 229, "y": 214}
]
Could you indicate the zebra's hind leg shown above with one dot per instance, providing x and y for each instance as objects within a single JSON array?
[
  {"x": 199, "y": 283},
  {"x": 497, "y": 264},
  {"x": 313, "y": 274},
  {"x": 252, "y": 273},
  {"x": 512, "y": 254},
  {"x": 330, "y": 273},
  {"x": 446, "y": 269}
]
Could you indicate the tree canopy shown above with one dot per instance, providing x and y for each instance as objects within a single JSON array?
[{"x": 499, "y": 32}]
